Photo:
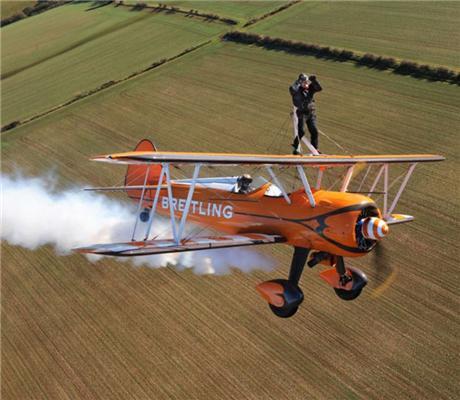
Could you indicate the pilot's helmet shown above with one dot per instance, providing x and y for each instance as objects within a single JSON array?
[{"x": 245, "y": 178}]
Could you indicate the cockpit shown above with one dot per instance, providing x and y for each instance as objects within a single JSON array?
[{"x": 242, "y": 184}]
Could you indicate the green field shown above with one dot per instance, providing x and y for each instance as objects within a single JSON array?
[
  {"x": 240, "y": 10},
  {"x": 425, "y": 32},
  {"x": 73, "y": 329},
  {"x": 104, "y": 44}
]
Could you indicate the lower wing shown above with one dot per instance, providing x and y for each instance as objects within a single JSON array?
[{"x": 148, "y": 247}]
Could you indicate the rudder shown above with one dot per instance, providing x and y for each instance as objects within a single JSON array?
[{"x": 135, "y": 174}]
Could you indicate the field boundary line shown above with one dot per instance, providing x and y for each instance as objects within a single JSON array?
[
  {"x": 102, "y": 87},
  {"x": 270, "y": 13},
  {"x": 400, "y": 67}
]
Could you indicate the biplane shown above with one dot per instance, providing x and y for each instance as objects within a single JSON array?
[{"x": 322, "y": 226}]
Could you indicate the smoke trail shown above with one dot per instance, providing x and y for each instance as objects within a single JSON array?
[{"x": 35, "y": 214}]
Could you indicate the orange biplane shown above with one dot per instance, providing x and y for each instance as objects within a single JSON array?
[{"x": 322, "y": 226}]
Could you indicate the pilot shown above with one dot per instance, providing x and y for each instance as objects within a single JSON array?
[
  {"x": 243, "y": 184},
  {"x": 302, "y": 92}
]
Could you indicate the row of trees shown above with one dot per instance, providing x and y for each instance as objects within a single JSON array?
[
  {"x": 369, "y": 60},
  {"x": 172, "y": 9},
  {"x": 38, "y": 7},
  {"x": 275, "y": 11}
]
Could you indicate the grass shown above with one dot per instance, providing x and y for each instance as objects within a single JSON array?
[
  {"x": 240, "y": 10},
  {"x": 427, "y": 33},
  {"x": 97, "y": 46},
  {"x": 71, "y": 328}
]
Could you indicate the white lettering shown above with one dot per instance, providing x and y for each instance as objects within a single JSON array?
[
  {"x": 216, "y": 209},
  {"x": 194, "y": 203},
  {"x": 228, "y": 212},
  {"x": 198, "y": 207}
]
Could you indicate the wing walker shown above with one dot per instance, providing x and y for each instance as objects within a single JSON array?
[{"x": 322, "y": 226}]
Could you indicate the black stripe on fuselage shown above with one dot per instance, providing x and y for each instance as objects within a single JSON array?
[{"x": 321, "y": 219}]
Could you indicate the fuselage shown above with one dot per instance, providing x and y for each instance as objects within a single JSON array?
[{"x": 330, "y": 226}]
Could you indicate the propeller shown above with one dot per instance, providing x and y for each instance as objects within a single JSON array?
[{"x": 385, "y": 274}]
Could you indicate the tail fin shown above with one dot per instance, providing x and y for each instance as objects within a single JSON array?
[{"x": 135, "y": 174}]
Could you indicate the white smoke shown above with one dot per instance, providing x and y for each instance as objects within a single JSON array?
[{"x": 35, "y": 214}]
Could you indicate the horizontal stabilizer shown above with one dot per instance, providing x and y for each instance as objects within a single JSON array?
[
  {"x": 394, "y": 219},
  {"x": 170, "y": 246}
]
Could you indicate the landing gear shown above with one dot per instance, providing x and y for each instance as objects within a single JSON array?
[
  {"x": 358, "y": 279},
  {"x": 351, "y": 281},
  {"x": 144, "y": 215},
  {"x": 284, "y": 296},
  {"x": 292, "y": 296}
]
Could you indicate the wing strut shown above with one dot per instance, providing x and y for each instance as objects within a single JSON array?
[
  {"x": 191, "y": 190},
  {"x": 384, "y": 169},
  {"x": 278, "y": 183},
  {"x": 177, "y": 232},
  {"x": 140, "y": 202},
  {"x": 155, "y": 202},
  {"x": 347, "y": 179},
  {"x": 385, "y": 190},
  {"x": 306, "y": 186},
  {"x": 364, "y": 177},
  {"x": 377, "y": 178},
  {"x": 171, "y": 204},
  {"x": 319, "y": 180},
  {"x": 401, "y": 188}
]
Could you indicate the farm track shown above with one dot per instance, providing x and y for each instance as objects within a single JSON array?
[{"x": 73, "y": 329}]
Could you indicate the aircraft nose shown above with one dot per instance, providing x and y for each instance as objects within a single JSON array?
[{"x": 374, "y": 228}]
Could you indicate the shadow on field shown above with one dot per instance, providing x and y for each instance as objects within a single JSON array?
[{"x": 99, "y": 4}]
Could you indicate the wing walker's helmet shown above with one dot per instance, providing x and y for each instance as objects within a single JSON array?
[{"x": 303, "y": 77}]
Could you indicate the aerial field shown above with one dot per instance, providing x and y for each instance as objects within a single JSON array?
[
  {"x": 69, "y": 50},
  {"x": 425, "y": 33},
  {"x": 239, "y": 10},
  {"x": 75, "y": 329}
]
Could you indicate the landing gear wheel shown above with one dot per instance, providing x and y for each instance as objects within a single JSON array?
[
  {"x": 348, "y": 294},
  {"x": 144, "y": 215},
  {"x": 292, "y": 296},
  {"x": 359, "y": 281},
  {"x": 285, "y": 311}
]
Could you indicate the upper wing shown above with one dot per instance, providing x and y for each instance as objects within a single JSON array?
[
  {"x": 170, "y": 246},
  {"x": 148, "y": 157}
]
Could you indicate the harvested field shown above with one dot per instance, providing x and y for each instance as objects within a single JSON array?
[
  {"x": 75, "y": 329},
  {"x": 426, "y": 33},
  {"x": 101, "y": 45}
]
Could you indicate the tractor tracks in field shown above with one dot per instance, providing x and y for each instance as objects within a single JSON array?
[{"x": 116, "y": 27}]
